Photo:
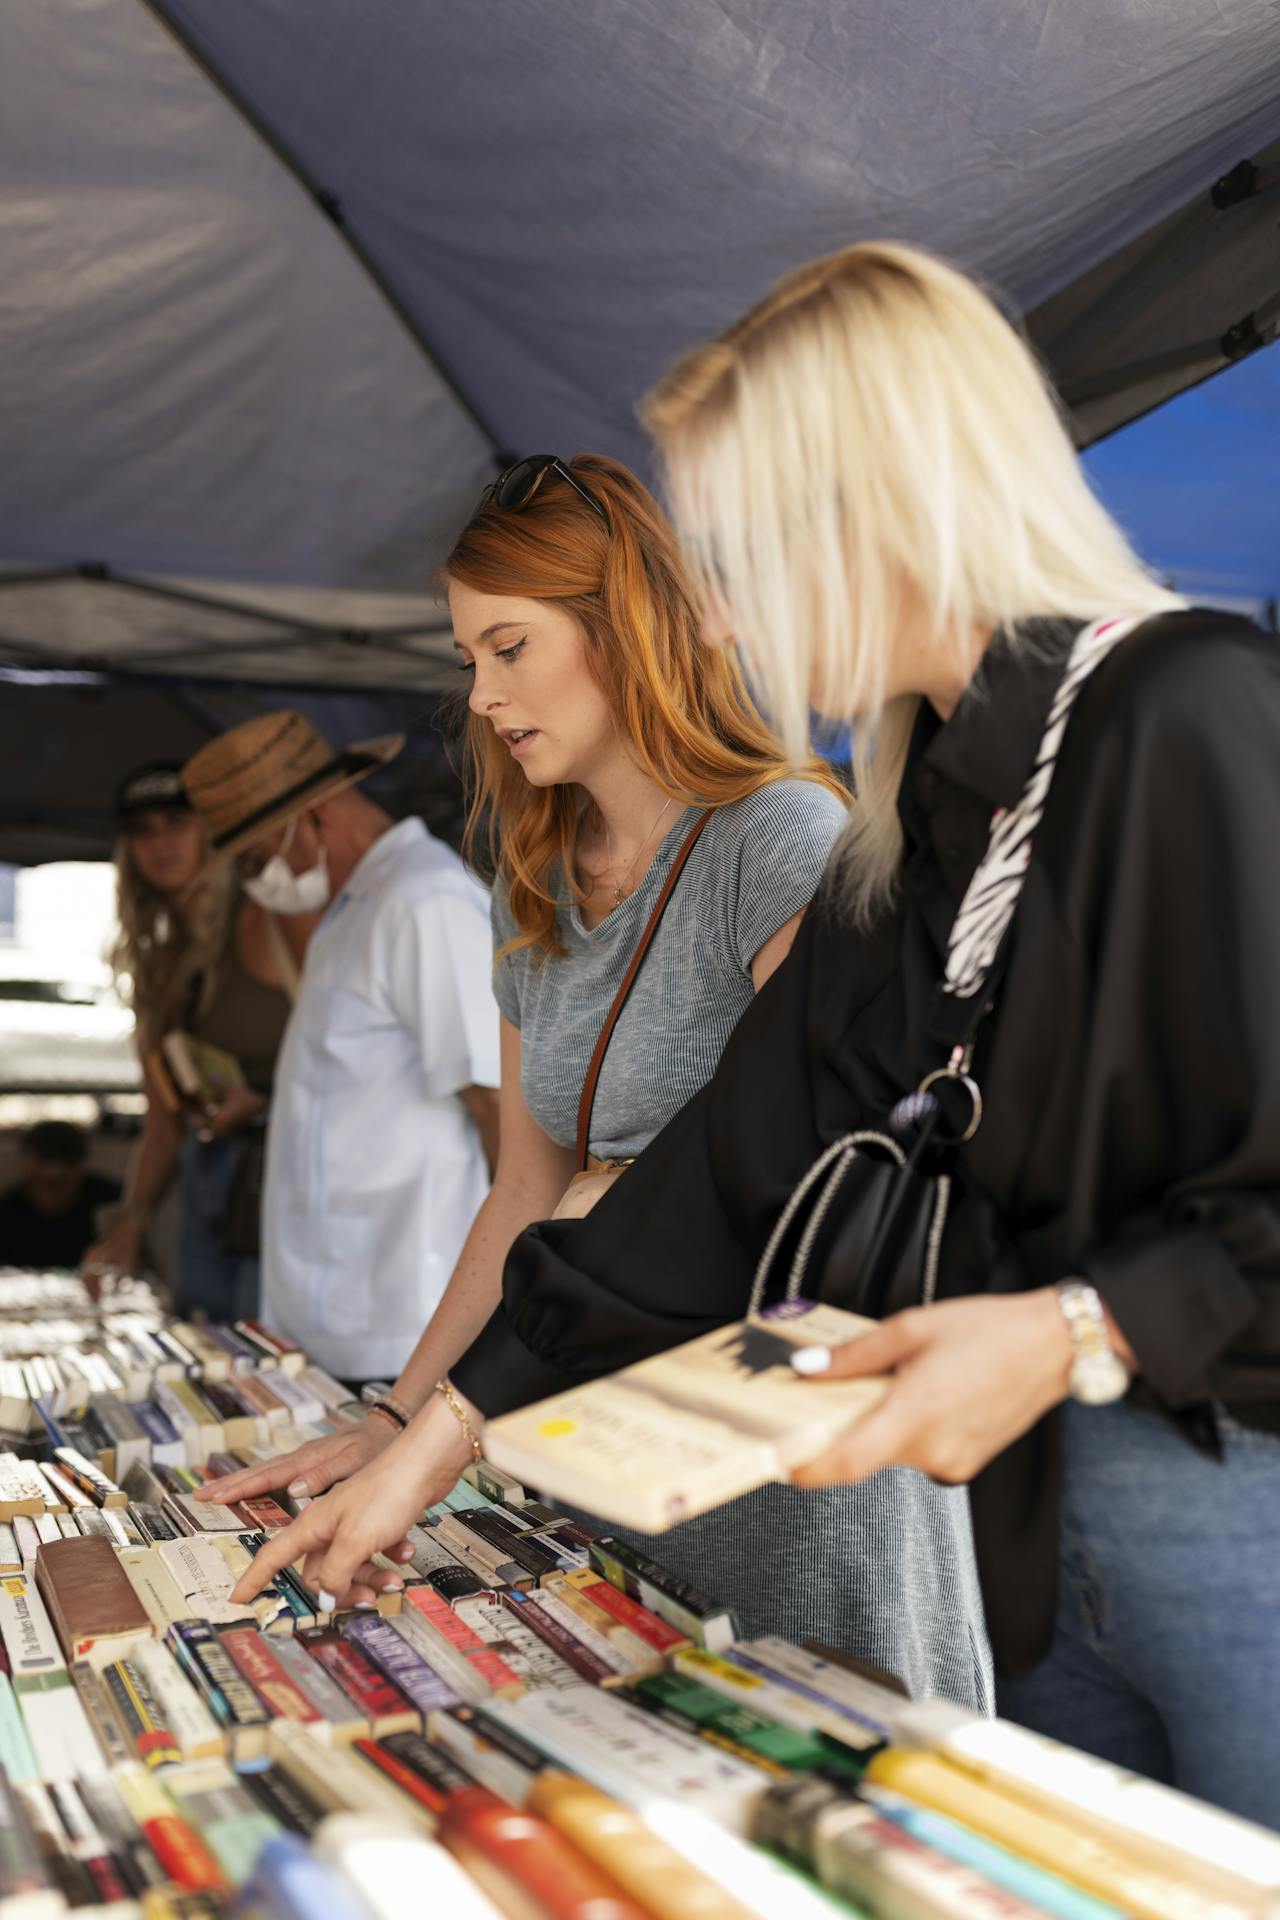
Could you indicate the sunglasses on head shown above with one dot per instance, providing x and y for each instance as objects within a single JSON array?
[{"x": 516, "y": 487}]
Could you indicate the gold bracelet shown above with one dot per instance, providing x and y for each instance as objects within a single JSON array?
[{"x": 459, "y": 1413}]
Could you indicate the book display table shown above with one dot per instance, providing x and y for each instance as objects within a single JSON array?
[{"x": 543, "y": 1725}]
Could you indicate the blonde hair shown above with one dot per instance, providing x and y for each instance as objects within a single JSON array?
[
  {"x": 680, "y": 706},
  {"x": 874, "y": 440},
  {"x": 159, "y": 955}
]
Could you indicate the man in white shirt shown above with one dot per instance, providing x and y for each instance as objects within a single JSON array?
[{"x": 383, "y": 1126}]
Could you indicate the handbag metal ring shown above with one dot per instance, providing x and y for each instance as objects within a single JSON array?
[{"x": 970, "y": 1086}]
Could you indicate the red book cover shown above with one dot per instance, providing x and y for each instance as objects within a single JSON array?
[
  {"x": 370, "y": 1691},
  {"x": 426, "y": 1792},
  {"x": 512, "y": 1852},
  {"x": 439, "y": 1614},
  {"x": 255, "y": 1659},
  {"x": 629, "y": 1613},
  {"x": 261, "y": 1514},
  {"x": 184, "y": 1855}
]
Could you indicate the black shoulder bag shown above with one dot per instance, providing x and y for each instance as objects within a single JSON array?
[{"x": 865, "y": 1223}]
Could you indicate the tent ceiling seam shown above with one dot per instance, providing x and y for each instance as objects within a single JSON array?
[{"x": 328, "y": 203}]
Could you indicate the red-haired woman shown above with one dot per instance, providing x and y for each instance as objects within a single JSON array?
[{"x": 601, "y": 731}]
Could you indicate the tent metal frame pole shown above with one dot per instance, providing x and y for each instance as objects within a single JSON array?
[{"x": 329, "y": 203}]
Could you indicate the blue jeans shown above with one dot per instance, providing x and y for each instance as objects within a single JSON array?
[
  {"x": 1166, "y": 1658},
  {"x": 222, "y": 1285}
]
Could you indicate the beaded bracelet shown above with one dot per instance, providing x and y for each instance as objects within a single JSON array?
[
  {"x": 388, "y": 1412},
  {"x": 459, "y": 1413}
]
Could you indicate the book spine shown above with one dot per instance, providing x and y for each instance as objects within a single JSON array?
[
  {"x": 195, "y": 1732},
  {"x": 1044, "y": 1891},
  {"x": 526, "y": 1864},
  {"x": 401, "y": 1664},
  {"x": 35, "y": 1657},
  {"x": 367, "y": 1689},
  {"x": 509, "y": 1544},
  {"x": 234, "y": 1827},
  {"x": 570, "y": 1649},
  {"x": 140, "y": 1715},
  {"x": 210, "y": 1668},
  {"x": 259, "y": 1667},
  {"x": 182, "y": 1853},
  {"x": 471, "y": 1675},
  {"x": 673, "y": 1600},
  {"x": 109, "y": 1725},
  {"x": 487, "y": 1751},
  {"x": 329, "y": 1701},
  {"x": 588, "y": 1637},
  {"x": 789, "y": 1709},
  {"x": 1110, "y": 1873},
  {"x": 417, "y": 1787},
  {"x": 502, "y": 1488},
  {"x": 647, "y": 1626}
]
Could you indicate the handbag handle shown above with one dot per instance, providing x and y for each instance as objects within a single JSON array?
[{"x": 643, "y": 944}]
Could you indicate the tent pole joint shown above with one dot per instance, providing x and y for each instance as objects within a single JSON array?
[
  {"x": 1240, "y": 184},
  {"x": 1245, "y": 337}
]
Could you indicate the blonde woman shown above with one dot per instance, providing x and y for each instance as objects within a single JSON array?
[
  {"x": 193, "y": 954},
  {"x": 602, "y": 733},
  {"x": 892, "y": 525}
]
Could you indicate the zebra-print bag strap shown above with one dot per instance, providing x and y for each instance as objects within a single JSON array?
[{"x": 992, "y": 895}]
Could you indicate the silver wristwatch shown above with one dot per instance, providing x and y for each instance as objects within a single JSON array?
[{"x": 1098, "y": 1374}]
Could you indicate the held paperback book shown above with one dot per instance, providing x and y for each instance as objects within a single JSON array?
[{"x": 684, "y": 1431}]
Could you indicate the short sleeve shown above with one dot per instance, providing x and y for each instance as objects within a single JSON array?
[
  {"x": 785, "y": 835},
  {"x": 509, "y": 972},
  {"x": 438, "y": 966}
]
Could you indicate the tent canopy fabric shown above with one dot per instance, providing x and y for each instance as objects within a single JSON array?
[{"x": 286, "y": 283}]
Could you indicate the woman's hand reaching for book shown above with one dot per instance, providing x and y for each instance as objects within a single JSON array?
[
  {"x": 968, "y": 1378},
  {"x": 309, "y": 1469},
  {"x": 335, "y": 1538}
]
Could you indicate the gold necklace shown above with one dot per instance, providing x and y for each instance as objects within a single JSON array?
[{"x": 618, "y": 885}]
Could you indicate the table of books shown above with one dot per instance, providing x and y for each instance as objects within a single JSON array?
[{"x": 541, "y": 1724}]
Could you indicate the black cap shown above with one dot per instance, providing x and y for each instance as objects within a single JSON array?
[{"x": 157, "y": 784}]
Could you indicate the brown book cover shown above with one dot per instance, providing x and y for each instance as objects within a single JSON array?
[{"x": 95, "y": 1612}]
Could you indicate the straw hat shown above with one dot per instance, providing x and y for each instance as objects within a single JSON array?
[{"x": 262, "y": 773}]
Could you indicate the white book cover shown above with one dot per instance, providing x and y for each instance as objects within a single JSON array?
[{"x": 687, "y": 1430}]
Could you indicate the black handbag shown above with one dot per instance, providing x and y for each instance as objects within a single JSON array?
[{"x": 864, "y": 1226}]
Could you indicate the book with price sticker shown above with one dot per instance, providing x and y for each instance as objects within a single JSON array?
[{"x": 686, "y": 1430}]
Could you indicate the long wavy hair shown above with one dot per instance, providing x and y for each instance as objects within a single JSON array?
[
  {"x": 159, "y": 955},
  {"x": 681, "y": 707},
  {"x": 873, "y": 438}
]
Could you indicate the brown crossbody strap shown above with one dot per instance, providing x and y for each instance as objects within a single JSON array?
[{"x": 628, "y": 981}]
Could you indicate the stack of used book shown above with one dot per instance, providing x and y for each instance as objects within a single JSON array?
[{"x": 542, "y": 1723}]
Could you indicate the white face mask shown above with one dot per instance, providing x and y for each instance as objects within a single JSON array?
[{"x": 280, "y": 890}]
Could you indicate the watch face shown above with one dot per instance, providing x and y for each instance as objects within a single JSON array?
[{"x": 1098, "y": 1378}]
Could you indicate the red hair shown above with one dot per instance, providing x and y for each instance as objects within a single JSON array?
[{"x": 681, "y": 706}]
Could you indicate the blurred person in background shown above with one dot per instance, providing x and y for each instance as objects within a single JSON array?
[
  {"x": 47, "y": 1218},
  {"x": 385, "y": 1121},
  {"x": 195, "y": 955}
]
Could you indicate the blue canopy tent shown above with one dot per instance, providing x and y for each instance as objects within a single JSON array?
[
  {"x": 287, "y": 282},
  {"x": 1196, "y": 486}
]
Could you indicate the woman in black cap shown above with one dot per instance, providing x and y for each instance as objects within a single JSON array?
[{"x": 195, "y": 958}]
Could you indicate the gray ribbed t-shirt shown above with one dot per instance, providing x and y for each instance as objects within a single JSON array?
[{"x": 757, "y": 862}]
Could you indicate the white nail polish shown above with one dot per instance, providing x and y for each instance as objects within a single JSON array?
[
  {"x": 811, "y": 1359},
  {"x": 296, "y": 1489},
  {"x": 366, "y": 1606},
  {"x": 328, "y": 1601}
]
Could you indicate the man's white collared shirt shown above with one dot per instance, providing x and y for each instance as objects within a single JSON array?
[{"x": 375, "y": 1169}]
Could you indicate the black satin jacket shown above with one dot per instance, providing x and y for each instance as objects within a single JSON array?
[{"x": 1131, "y": 1071}]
